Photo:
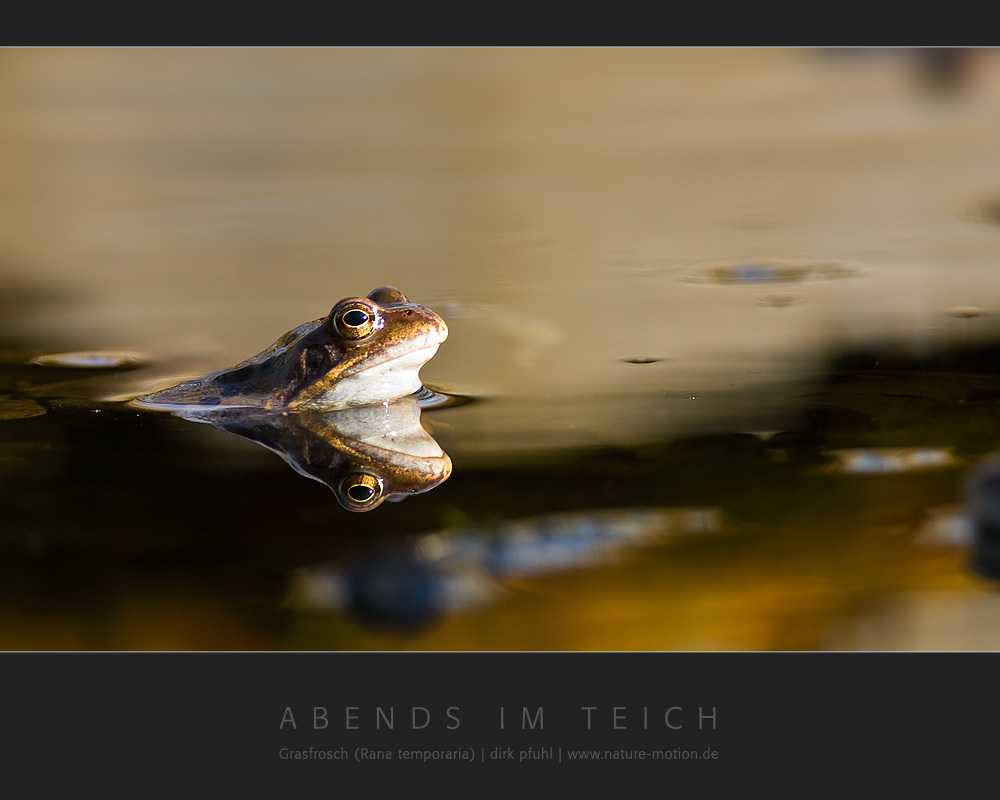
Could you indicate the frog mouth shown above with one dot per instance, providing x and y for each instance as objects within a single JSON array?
[{"x": 374, "y": 382}]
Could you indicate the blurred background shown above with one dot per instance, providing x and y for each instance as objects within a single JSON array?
[{"x": 753, "y": 290}]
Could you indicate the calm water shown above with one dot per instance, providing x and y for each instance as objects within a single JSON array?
[{"x": 724, "y": 323}]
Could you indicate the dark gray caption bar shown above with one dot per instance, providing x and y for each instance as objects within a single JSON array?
[{"x": 288, "y": 722}]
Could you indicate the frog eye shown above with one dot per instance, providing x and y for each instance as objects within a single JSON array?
[
  {"x": 388, "y": 296},
  {"x": 356, "y": 319},
  {"x": 360, "y": 491}
]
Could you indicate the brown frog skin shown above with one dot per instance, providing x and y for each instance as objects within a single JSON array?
[{"x": 366, "y": 351}]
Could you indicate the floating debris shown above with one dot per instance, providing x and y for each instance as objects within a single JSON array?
[
  {"x": 770, "y": 272},
  {"x": 642, "y": 360},
  {"x": 19, "y": 408},
  {"x": 778, "y": 301},
  {"x": 874, "y": 460},
  {"x": 562, "y": 541},
  {"x": 91, "y": 359},
  {"x": 446, "y": 572},
  {"x": 987, "y": 211},
  {"x": 966, "y": 312},
  {"x": 946, "y": 527}
]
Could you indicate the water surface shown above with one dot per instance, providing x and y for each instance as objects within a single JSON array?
[{"x": 749, "y": 292}]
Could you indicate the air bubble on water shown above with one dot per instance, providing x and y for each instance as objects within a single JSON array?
[{"x": 90, "y": 359}]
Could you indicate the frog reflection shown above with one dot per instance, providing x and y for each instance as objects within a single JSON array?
[
  {"x": 365, "y": 454},
  {"x": 366, "y": 351}
]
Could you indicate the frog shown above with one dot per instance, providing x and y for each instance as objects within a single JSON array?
[{"x": 366, "y": 351}]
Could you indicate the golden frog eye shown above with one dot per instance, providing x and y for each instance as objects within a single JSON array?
[
  {"x": 360, "y": 491},
  {"x": 356, "y": 319}
]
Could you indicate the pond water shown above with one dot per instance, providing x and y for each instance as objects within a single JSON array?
[{"x": 722, "y": 355}]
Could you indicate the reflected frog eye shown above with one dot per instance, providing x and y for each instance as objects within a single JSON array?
[
  {"x": 356, "y": 319},
  {"x": 360, "y": 491}
]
